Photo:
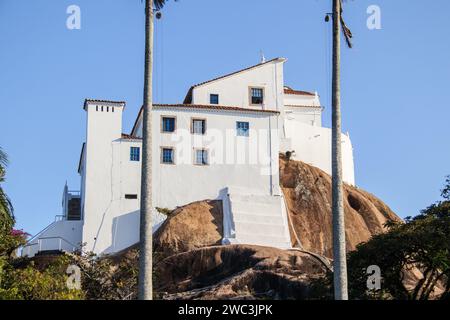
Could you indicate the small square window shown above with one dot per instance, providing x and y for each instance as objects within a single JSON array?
[
  {"x": 198, "y": 126},
  {"x": 242, "y": 128},
  {"x": 167, "y": 155},
  {"x": 135, "y": 153},
  {"x": 168, "y": 124},
  {"x": 201, "y": 157},
  {"x": 257, "y": 96},
  {"x": 214, "y": 99}
]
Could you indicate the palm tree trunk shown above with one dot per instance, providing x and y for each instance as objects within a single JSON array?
[
  {"x": 339, "y": 251},
  {"x": 145, "y": 285}
]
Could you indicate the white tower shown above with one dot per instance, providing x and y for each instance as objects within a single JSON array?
[{"x": 99, "y": 190}]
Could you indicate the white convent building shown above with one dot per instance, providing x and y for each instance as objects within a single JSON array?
[{"x": 223, "y": 142}]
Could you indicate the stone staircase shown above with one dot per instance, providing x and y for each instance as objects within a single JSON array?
[{"x": 259, "y": 220}]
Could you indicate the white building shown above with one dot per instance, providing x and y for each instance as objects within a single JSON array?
[{"x": 223, "y": 142}]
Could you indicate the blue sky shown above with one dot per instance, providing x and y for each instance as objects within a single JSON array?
[{"x": 396, "y": 82}]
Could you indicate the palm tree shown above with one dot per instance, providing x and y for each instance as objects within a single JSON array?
[
  {"x": 145, "y": 285},
  {"x": 6, "y": 208},
  {"x": 339, "y": 250}
]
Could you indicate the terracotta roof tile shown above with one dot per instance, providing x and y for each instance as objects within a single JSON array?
[
  {"x": 130, "y": 137},
  {"x": 298, "y": 92},
  {"x": 214, "y": 107}
]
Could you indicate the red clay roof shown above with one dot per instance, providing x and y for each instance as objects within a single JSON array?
[
  {"x": 299, "y": 92},
  {"x": 130, "y": 137},
  {"x": 188, "y": 98},
  {"x": 214, "y": 107}
]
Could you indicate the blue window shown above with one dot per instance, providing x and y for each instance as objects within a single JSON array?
[
  {"x": 167, "y": 155},
  {"x": 201, "y": 157},
  {"x": 135, "y": 153},
  {"x": 168, "y": 124},
  {"x": 198, "y": 126},
  {"x": 214, "y": 99},
  {"x": 242, "y": 128},
  {"x": 257, "y": 96}
]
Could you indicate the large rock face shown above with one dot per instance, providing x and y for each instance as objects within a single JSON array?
[
  {"x": 308, "y": 195},
  {"x": 239, "y": 272},
  {"x": 193, "y": 226},
  {"x": 191, "y": 265}
]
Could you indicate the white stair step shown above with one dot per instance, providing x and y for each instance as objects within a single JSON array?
[
  {"x": 255, "y": 208},
  {"x": 259, "y": 228},
  {"x": 265, "y": 219},
  {"x": 269, "y": 241},
  {"x": 255, "y": 198}
]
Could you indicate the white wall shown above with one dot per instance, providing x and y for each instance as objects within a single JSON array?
[
  {"x": 297, "y": 106},
  {"x": 112, "y": 222},
  {"x": 60, "y": 235},
  {"x": 232, "y": 163},
  {"x": 234, "y": 90},
  {"x": 101, "y": 181},
  {"x": 312, "y": 145}
]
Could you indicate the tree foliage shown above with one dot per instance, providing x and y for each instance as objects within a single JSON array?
[
  {"x": 414, "y": 257},
  {"x": 28, "y": 282},
  {"x": 6, "y": 208},
  {"x": 109, "y": 278}
]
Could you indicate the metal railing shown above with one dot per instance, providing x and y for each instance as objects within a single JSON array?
[{"x": 62, "y": 245}]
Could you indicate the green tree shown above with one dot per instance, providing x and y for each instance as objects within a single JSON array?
[
  {"x": 6, "y": 208},
  {"x": 420, "y": 244}
]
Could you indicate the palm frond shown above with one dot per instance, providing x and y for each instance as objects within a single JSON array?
[
  {"x": 159, "y": 4},
  {"x": 7, "y": 218},
  {"x": 346, "y": 31},
  {"x": 6, "y": 209},
  {"x": 3, "y": 158}
]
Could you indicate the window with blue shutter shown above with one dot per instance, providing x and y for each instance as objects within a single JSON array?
[
  {"x": 242, "y": 128},
  {"x": 201, "y": 157},
  {"x": 214, "y": 99},
  {"x": 168, "y": 124},
  {"x": 257, "y": 96},
  {"x": 135, "y": 153},
  {"x": 167, "y": 156}
]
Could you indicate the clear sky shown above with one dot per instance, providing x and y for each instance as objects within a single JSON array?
[{"x": 395, "y": 94}]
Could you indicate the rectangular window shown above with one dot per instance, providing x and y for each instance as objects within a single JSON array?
[
  {"x": 167, "y": 156},
  {"x": 198, "y": 126},
  {"x": 201, "y": 157},
  {"x": 242, "y": 128},
  {"x": 168, "y": 124},
  {"x": 131, "y": 196},
  {"x": 257, "y": 95},
  {"x": 214, "y": 99},
  {"x": 135, "y": 153}
]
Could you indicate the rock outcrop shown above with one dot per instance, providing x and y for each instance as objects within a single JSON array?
[
  {"x": 239, "y": 272},
  {"x": 191, "y": 263},
  {"x": 307, "y": 190},
  {"x": 192, "y": 226}
]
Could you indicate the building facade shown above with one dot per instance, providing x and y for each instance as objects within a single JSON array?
[{"x": 223, "y": 142}]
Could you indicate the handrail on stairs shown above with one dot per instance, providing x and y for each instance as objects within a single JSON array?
[{"x": 39, "y": 243}]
